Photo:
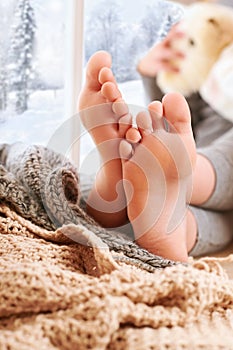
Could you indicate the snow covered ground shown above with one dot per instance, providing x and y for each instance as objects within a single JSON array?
[
  {"x": 46, "y": 115},
  {"x": 37, "y": 124}
]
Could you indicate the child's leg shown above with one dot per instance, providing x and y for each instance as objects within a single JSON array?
[
  {"x": 219, "y": 154},
  {"x": 213, "y": 230},
  {"x": 105, "y": 116},
  {"x": 213, "y": 192},
  {"x": 157, "y": 176}
]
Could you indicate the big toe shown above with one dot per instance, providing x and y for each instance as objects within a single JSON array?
[
  {"x": 177, "y": 112},
  {"x": 97, "y": 61}
]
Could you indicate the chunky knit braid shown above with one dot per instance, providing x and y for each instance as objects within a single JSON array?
[{"x": 43, "y": 186}]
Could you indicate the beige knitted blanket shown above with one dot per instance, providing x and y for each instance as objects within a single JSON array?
[{"x": 74, "y": 296}]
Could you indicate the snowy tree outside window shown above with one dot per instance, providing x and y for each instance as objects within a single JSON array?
[
  {"x": 127, "y": 29},
  {"x": 21, "y": 56},
  {"x": 32, "y": 69}
]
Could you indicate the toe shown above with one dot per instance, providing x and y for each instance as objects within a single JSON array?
[
  {"x": 97, "y": 61},
  {"x": 124, "y": 123},
  {"x": 133, "y": 135},
  {"x": 156, "y": 112},
  {"x": 105, "y": 75},
  {"x": 177, "y": 113},
  {"x": 144, "y": 122},
  {"x": 110, "y": 91},
  {"x": 120, "y": 108},
  {"x": 125, "y": 150}
]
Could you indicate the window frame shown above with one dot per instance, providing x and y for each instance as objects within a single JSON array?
[{"x": 74, "y": 71}]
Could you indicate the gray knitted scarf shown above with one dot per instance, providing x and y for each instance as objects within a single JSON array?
[{"x": 43, "y": 186}]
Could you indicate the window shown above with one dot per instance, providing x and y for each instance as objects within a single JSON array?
[
  {"x": 126, "y": 29},
  {"x": 42, "y": 57},
  {"x": 32, "y": 61}
]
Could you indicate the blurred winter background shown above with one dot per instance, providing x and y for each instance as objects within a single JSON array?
[{"x": 32, "y": 57}]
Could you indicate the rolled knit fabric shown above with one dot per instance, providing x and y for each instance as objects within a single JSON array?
[
  {"x": 43, "y": 186},
  {"x": 60, "y": 296}
]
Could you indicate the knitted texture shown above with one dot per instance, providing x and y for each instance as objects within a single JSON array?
[
  {"x": 75, "y": 296},
  {"x": 66, "y": 283},
  {"x": 43, "y": 186}
]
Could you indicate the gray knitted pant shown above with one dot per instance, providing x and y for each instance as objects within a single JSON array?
[{"x": 215, "y": 218}]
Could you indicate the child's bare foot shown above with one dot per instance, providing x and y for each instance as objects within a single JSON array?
[
  {"x": 106, "y": 117},
  {"x": 157, "y": 174}
]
